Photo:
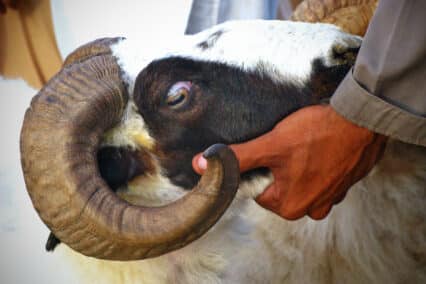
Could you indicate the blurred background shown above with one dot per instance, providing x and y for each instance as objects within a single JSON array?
[{"x": 36, "y": 35}]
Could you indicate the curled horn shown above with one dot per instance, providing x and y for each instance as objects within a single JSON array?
[
  {"x": 351, "y": 16},
  {"x": 95, "y": 48},
  {"x": 59, "y": 141}
]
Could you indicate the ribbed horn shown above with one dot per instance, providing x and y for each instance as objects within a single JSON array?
[
  {"x": 351, "y": 16},
  {"x": 59, "y": 141},
  {"x": 97, "y": 47}
]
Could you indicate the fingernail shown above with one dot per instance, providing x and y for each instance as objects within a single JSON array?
[{"x": 202, "y": 163}]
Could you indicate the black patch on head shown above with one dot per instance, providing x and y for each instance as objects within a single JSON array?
[
  {"x": 325, "y": 79},
  {"x": 210, "y": 41},
  {"x": 226, "y": 105}
]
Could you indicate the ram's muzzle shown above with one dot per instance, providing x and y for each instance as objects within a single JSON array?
[{"x": 60, "y": 139}]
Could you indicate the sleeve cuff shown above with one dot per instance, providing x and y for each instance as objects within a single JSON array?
[{"x": 356, "y": 104}]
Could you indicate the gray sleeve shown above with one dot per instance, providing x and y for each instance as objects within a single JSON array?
[
  {"x": 386, "y": 89},
  {"x": 207, "y": 13}
]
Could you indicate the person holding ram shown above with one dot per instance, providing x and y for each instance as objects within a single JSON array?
[{"x": 107, "y": 147}]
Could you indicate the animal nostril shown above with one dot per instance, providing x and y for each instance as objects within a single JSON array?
[{"x": 118, "y": 165}]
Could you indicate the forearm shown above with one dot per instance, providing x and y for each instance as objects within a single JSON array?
[{"x": 386, "y": 91}]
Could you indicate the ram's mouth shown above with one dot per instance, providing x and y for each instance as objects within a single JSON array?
[
  {"x": 134, "y": 176},
  {"x": 126, "y": 153},
  {"x": 120, "y": 165}
]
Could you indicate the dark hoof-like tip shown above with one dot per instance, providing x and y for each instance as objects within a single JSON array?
[
  {"x": 227, "y": 158},
  {"x": 216, "y": 150},
  {"x": 52, "y": 242}
]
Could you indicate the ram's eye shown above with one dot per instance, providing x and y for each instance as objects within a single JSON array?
[{"x": 178, "y": 94}]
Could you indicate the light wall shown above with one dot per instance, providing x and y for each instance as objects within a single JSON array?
[{"x": 80, "y": 21}]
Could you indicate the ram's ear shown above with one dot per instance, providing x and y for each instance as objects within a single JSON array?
[{"x": 325, "y": 79}]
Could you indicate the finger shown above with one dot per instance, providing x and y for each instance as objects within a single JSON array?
[
  {"x": 252, "y": 154},
  {"x": 199, "y": 164},
  {"x": 269, "y": 198},
  {"x": 340, "y": 197},
  {"x": 369, "y": 157},
  {"x": 319, "y": 213},
  {"x": 274, "y": 200},
  {"x": 263, "y": 151},
  {"x": 333, "y": 195}
]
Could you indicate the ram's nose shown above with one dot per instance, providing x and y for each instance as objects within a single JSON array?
[{"x": 119, "y": 165}]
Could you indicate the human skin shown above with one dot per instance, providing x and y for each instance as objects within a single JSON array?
[{"x": 315, "y": 156}]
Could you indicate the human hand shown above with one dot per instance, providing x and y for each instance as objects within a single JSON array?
[{"x": 315, "y": 156}]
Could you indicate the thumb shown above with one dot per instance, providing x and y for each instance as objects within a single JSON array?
[
  {"x": 259, "y": 152},
  {"x": 269, "y": 198},
  {"x": 255, "y": 153},
  {"x": 199, "y": 163}
]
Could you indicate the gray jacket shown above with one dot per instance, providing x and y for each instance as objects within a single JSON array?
[{"x": 386, "y": 90}]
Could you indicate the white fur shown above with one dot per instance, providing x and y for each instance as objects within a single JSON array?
[{"x": 288, "y": 48}]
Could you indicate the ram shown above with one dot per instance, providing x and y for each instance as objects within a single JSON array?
[{"x": 107, "y": 146}]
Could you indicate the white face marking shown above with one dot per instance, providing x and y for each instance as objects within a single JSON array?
[{"x": 287, "y": 48}]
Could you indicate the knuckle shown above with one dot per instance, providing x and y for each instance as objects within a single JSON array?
[
  {"x": 291, "y": 214},
  {"x": 320, "y": 213}
]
